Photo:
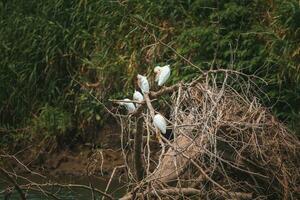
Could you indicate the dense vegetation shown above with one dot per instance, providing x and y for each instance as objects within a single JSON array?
[{"x": 56, "y": 54}]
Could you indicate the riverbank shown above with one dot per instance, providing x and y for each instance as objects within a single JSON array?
[
  {"x": 102, "y": 162},
  {"x": 99, "y": 158}
]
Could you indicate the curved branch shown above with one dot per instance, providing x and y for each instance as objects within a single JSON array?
[
  {"x": 171, "y": 191},
  {"x": 11, "y": 180}
]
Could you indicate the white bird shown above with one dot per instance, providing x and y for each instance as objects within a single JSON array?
[
  {"x": 137, "y": 96},
  {"x": 162, "y": 74},
  {"x": 129, "y": 106},
  {"x": 160, "y": 123},
  {"x": 143, "y": 83}
]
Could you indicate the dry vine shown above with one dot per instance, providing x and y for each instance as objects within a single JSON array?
[
  {"x": 46, "y": 187},
  {"x": 226, "y": 144}
]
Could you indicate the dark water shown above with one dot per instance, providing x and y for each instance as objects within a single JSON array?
[{"x": 116, "y": 189}]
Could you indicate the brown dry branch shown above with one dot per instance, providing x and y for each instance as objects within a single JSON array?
[
  {"x": 186, "y": 192},
  {"x": 15, "y": 159},
  {"x": 227, "y": 145},
  {"x": 111, "y": 178},
  {"x": 11, "y": 180},
  {"x": 10, "y": 176},
  {"x": 43, "y": 188}
]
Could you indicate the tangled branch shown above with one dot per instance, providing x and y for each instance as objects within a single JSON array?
[{"x": 226, "y": 144}]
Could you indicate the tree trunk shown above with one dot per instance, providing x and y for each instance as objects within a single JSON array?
[
  {"x": 178, "y": 156},
  {"x": 138, "y": 141}
]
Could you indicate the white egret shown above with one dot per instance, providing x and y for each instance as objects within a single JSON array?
[
  {"x": 162, "y": 74},
  {"x": 160, "y": 123},
  {"x": 137, "y": 96},
  {"x": 143, "y": 83},
  {"x": 128, "y": 105}
]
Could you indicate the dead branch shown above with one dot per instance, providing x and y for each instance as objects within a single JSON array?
[
  {"x": 11, "y": 180},
  {"x": 111, "y": 177},
  {"x": 227, "y": 144},
  {"x": 164, "y": 90},
  {"x": 165, "y": 192},
  {"x": 149, "y": 105},
  {"x": 234, "y": 195},
  {"x": 182, "y": 145},
  {"x": 21, "y": 164},
  {"x": 138, "y": 142},
  {"x": 188, "y": 192},
  {"x": 45, "y": 185}
]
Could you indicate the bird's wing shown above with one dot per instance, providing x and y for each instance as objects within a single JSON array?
[
  {"x": 145, "y": 85},
  {"x": 130, "y": 107},
  {"x": 160, "y": 123},
  {"x": 135, "y": 96},
  {"x": 138, "y": 96},
  {"x": 164, "y": 75},
  {"x": 156, "y": 77},
  {"x": 139, "y": 83}
]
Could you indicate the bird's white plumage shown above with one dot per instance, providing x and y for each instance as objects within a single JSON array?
[
  {"x": 129, "y": 106},
  {"x": 157, "y": 72},
  {"x": 143, "y": 83},
  {"x": 137, "y": 96},
  {"x": 162, "y": 74},
  {"x": 160, "y": 123}
]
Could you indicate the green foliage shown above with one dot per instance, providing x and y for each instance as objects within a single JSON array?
[
  {"x": 51, "y": 122},
  {"x": 49, "y": 47},
  {"x": 42, "y": 47}
]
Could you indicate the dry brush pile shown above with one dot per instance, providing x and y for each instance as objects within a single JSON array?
[{"x": 226, "y": 145}]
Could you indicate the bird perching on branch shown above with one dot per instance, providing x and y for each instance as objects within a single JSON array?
[
  {"x": 137, "y": 96},
  {"x": 160, "y": 123},
  {"x": 128, "y": 105},
  {"x": 143, "y": 83},
  {"x": 162, "y": 74}
]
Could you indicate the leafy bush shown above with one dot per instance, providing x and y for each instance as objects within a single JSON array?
[{"x": 51, "y": 122}]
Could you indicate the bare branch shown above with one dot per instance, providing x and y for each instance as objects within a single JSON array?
[{"x": 11, "y": 180}]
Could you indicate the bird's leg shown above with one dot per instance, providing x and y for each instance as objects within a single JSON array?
[{"x": 158, "y": 137}]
